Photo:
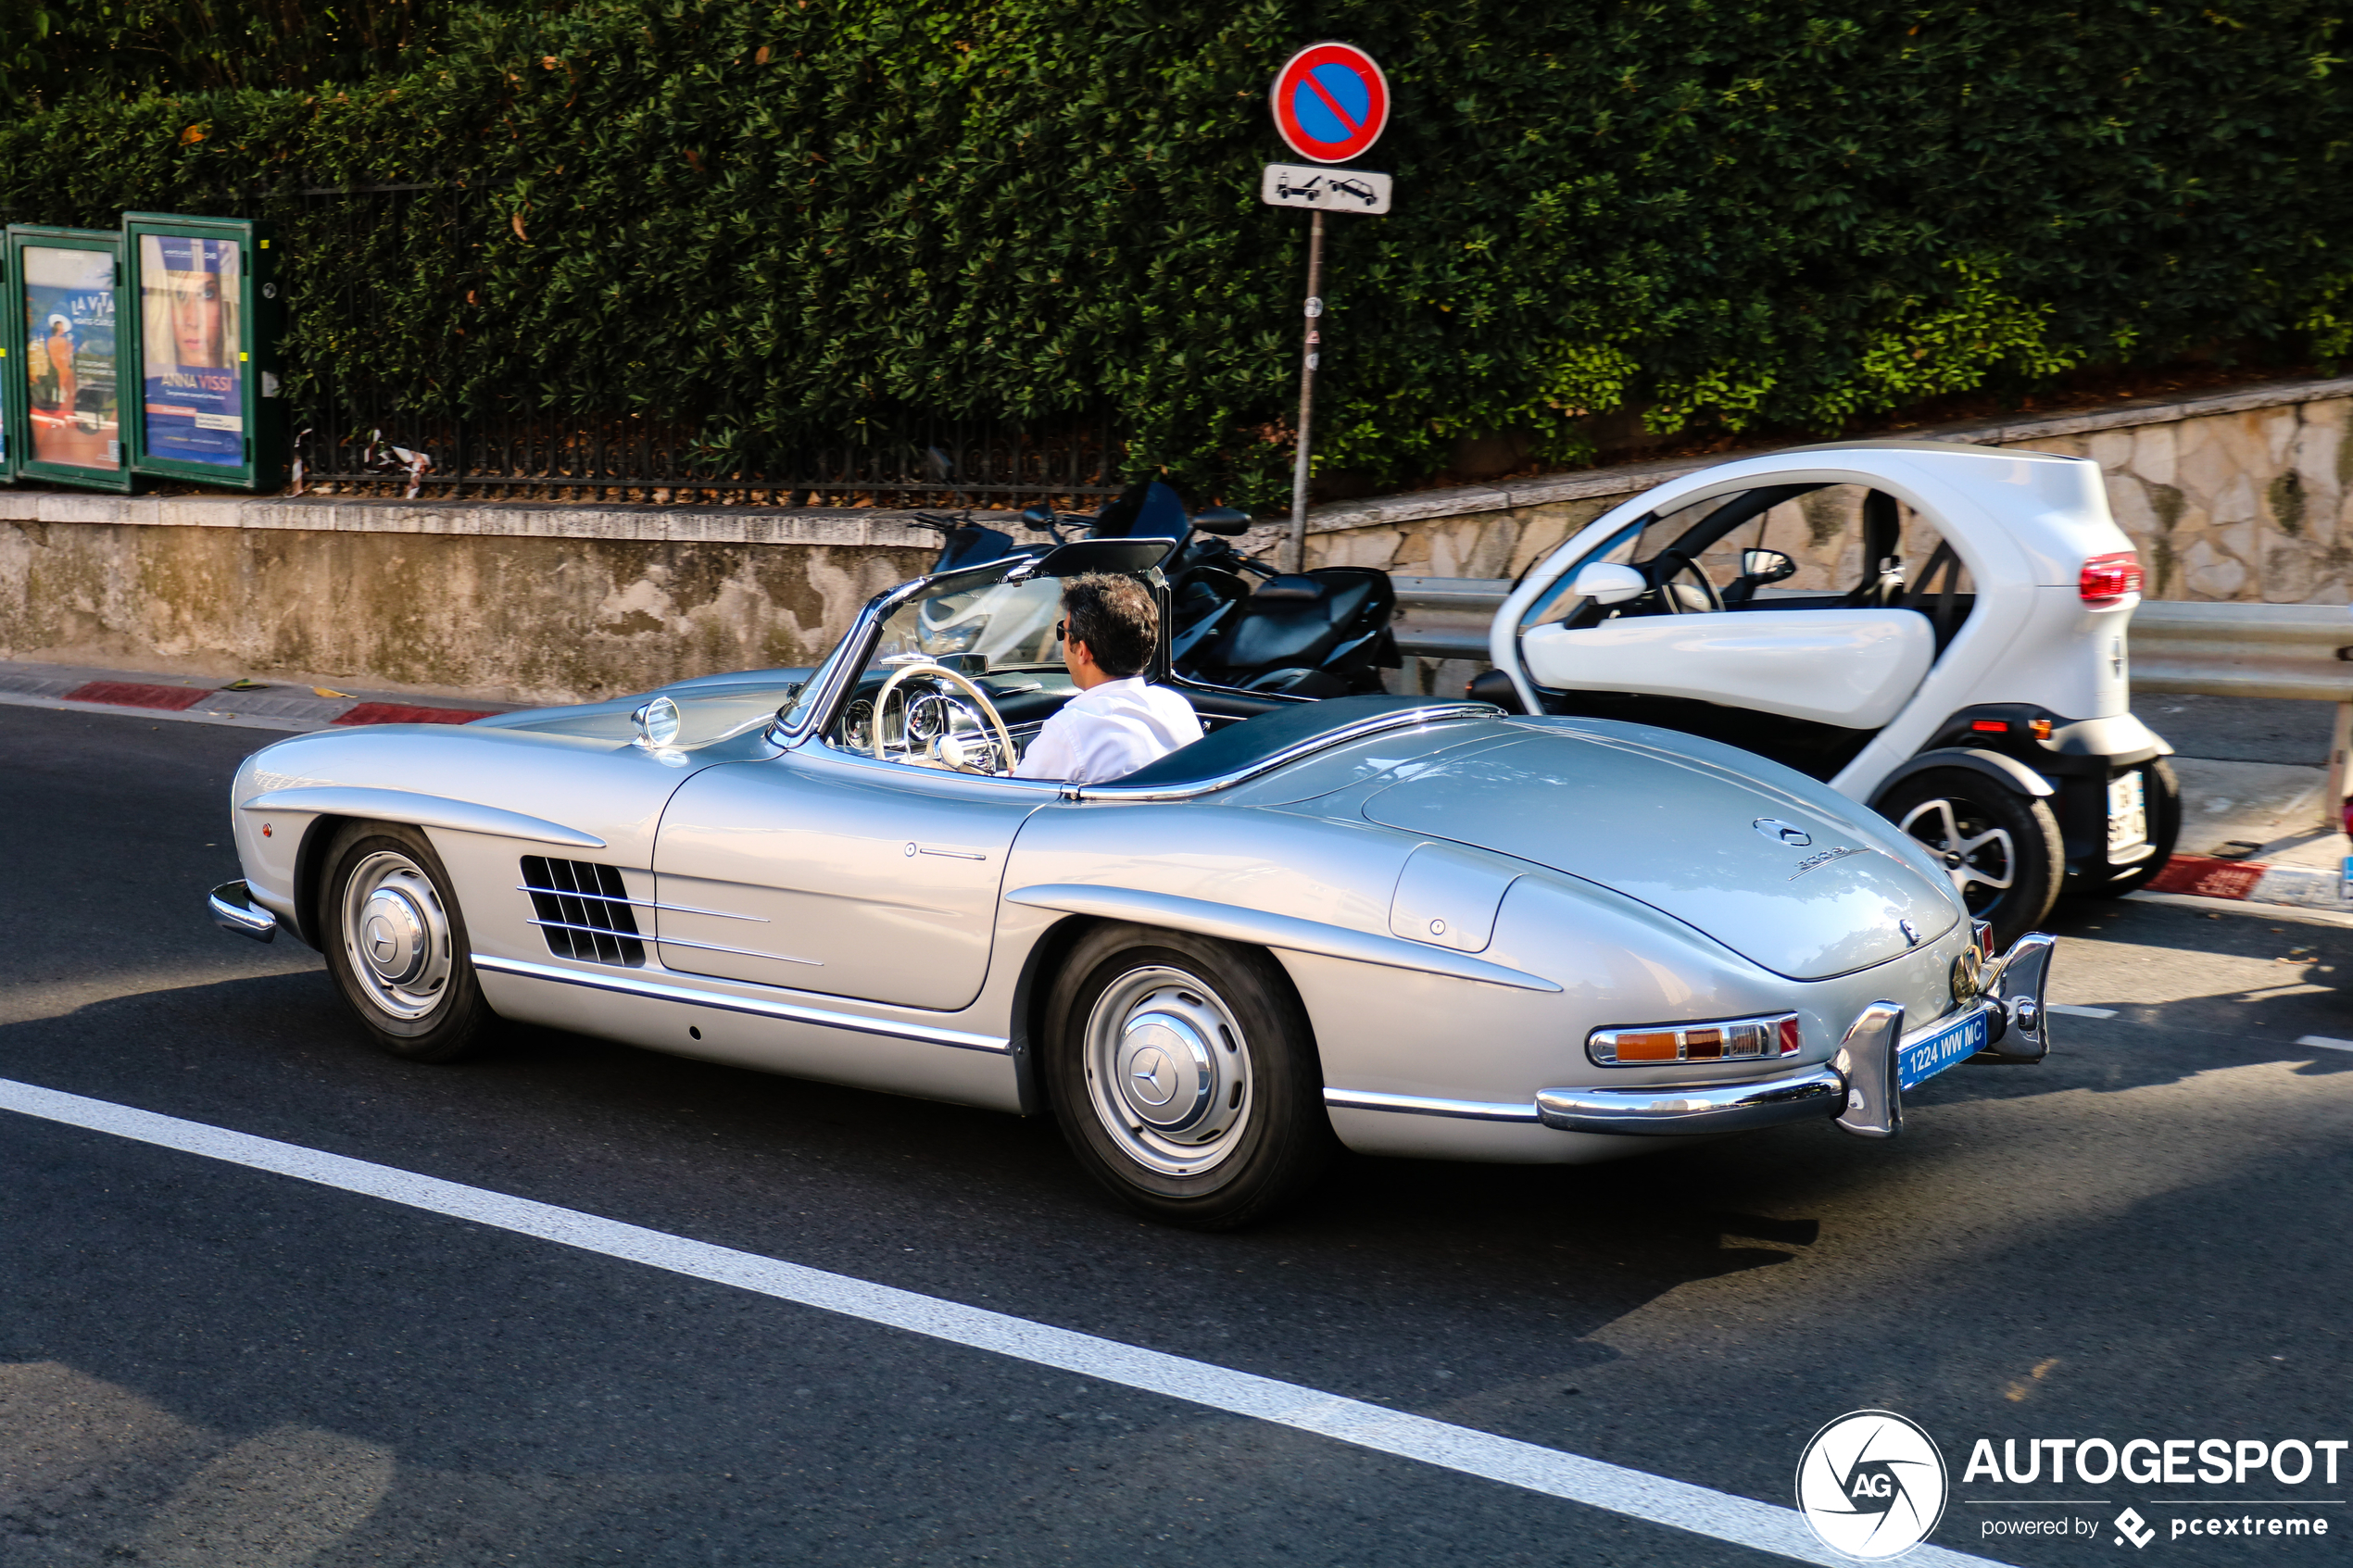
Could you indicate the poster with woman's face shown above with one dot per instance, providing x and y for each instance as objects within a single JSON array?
[
  {"x": 70, "y": 342},
  {"x": 192, "y": 348}
]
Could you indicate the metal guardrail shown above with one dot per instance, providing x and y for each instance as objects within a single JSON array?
[
  {"x": 2243, "y": 651},
  {"x": 1447, "y": 616},
  {"x": 2303, "y": 652}
]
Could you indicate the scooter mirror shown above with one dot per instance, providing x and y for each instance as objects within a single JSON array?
[
  {"x": 1037, "y": 519},
  {"x": 1227, "y": 520},
  {"x": 1767, "y": 566},
  {"x": 1608, "y": 583}
]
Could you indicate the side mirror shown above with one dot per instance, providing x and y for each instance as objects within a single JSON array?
[
  {"x": 1605, "y": 582},
  {"x": 1226, "y": 520},
  {"x": 1767, "y": 566},
  {"x": 1038, "y": 520}
]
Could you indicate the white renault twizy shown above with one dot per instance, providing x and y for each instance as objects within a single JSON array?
[{"x": 1982, "y": 700}]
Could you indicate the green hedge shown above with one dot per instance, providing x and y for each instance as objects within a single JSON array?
[{"x": 777, "y": 219}]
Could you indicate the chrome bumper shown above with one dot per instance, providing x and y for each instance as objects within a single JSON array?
[
  {"x": 233, "y": 909},
  {"x": 1861, "y": 1087}
]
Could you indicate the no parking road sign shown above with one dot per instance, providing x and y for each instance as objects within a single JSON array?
[{"x": 1331, "y": 103}]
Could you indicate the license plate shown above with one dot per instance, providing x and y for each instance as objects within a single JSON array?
[
  {"x": 2128, "y": 817},
  {"x": 1957, "y": 1041}
]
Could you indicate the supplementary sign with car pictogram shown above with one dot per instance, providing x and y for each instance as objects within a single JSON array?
[
  {"x": 1343, "y": 190},
  {"x": 1331, "y": 103}
]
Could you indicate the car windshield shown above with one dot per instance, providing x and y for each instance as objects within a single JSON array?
[{"x": 974, "y": 628}]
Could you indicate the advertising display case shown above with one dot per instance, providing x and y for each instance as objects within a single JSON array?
[
  {"x": 204, "y": 305},
  {"x": 11, "y": 417},
  {"x": 68, "y": 379}
]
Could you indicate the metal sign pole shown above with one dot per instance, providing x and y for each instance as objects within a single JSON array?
[{"x": 1295, "y": 551}]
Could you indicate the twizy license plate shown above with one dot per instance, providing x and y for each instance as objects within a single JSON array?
[
  {"x": 1957, "y": 1041},
  {"x": 2128, "y": 817}
]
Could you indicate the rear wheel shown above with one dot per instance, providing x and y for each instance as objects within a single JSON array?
[
  {"x": 1184, "y": 1075},
  {"x": 2161, "y": 799},
  {"x": 2000, "y": 845},
  {"x": 396, "y": 944}
]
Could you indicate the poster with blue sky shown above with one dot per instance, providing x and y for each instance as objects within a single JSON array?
[{"x": 72, "y": 412}]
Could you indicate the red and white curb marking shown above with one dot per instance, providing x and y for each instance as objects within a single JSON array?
[
  {"x": 265, "y": 708},
  {"x": 2204, "y": 877}
]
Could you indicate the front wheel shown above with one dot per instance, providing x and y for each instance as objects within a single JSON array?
[
  {"x": 397, "y": 944},
  {"x": 1184, "y": 1075},
  {"x": 2000, "y": 846}
]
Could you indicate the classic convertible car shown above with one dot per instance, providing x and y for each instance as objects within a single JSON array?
[{"x": 1423, "y": 928}]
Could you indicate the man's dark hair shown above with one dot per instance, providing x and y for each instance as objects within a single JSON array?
[{"x": 1116, "y": 617}]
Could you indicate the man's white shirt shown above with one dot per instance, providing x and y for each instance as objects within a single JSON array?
[{"x": 1108, "y": 731}]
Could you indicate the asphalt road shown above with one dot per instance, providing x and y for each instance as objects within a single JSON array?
[{"x": 200, "y": 1363}]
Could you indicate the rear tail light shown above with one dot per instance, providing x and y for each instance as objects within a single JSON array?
[
  {"x": 2106, "y": 579},
  {"x": 1740, "y": 1040}
]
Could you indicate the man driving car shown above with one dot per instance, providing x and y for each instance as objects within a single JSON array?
[{"x": 1117, "y": 723}]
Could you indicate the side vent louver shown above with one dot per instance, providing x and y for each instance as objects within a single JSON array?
[{"x": 583, "y": 911}]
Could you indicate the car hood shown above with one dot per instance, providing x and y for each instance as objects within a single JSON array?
[{"x": 1679, "y": 832}]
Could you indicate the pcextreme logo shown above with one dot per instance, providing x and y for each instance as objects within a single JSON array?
[{"x": 1871, "y": 1484}]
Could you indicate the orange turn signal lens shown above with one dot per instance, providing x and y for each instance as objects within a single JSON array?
[
  {"x": 1740, "y": 1040},
  {"x": 1657, "y": 1046}
]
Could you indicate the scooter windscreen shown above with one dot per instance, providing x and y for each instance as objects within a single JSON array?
[{"x": 1150, "y": 510}]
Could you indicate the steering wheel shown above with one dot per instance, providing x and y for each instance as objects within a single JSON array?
[
  {"x": 1668, "y": 566},
  {"x": 882, "y": 706}
]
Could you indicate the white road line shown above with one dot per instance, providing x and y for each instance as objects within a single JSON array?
[
  {"x": 2073, "y": 1011},
  {"x": 1677, "y": 1504},
  {"x": 2324, "y": 1040}
]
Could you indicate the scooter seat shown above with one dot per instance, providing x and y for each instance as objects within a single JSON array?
[{"x": 1290, "y": 588}]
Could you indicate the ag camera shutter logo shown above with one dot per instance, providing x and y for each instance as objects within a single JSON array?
[{"x": 1871, "y": 1484}]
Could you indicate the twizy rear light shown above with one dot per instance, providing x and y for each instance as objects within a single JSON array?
[
  {"x": 1740, "y": 1040},
  {"x": 2109, "y": 577}
]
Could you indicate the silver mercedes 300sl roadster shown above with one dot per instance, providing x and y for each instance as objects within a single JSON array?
[{"x": 1419, "y": 928}]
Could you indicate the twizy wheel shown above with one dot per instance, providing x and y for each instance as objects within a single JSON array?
[
  {"x": 2161, "y": 797},
  {"x": 2001, "y": 847},
  {"x": 1184, "y": 1075},
  {"x": 396, "y": 944}
]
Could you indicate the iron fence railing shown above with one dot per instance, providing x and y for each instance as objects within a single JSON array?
[{"x": 372, "y": 433}]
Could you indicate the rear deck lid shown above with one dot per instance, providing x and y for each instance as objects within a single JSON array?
[{"x": 1689, "y": 836}]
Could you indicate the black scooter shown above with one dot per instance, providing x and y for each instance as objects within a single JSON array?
[{"x": 1311, "y": 634}]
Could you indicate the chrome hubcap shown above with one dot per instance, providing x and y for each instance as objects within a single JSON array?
[
  {"x": 396, "y": 935},
  {"x": 1167, "y": 1071}
]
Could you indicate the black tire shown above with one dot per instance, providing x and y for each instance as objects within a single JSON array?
[
  {"x": 415, "y": 991},
  {"x": 2008, "y": 859},
  {"x": 2161, "y": 797},
  {"x": 1241, "y": 1061}
]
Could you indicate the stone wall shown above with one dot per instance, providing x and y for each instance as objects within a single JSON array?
[
  {"x": 2243, "y": 496},
  {"x": 518, "y": 604}
]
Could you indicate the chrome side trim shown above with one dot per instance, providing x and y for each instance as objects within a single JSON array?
[
  {"x": 661, "y": 991},
  {"x": 639, "y": 936},
  {"x": 233, "y": 909},
  {"x": 1233, "y": 923},
  {"x": 740, "y": 952},
  {"x": 1378, "y": 724},
  {"x": 640, "y": 903},
  {"x": 1686, "y": 1109},
  {"x": 1417, "y": 1105},
  {"x": 419, "y": 810}
]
